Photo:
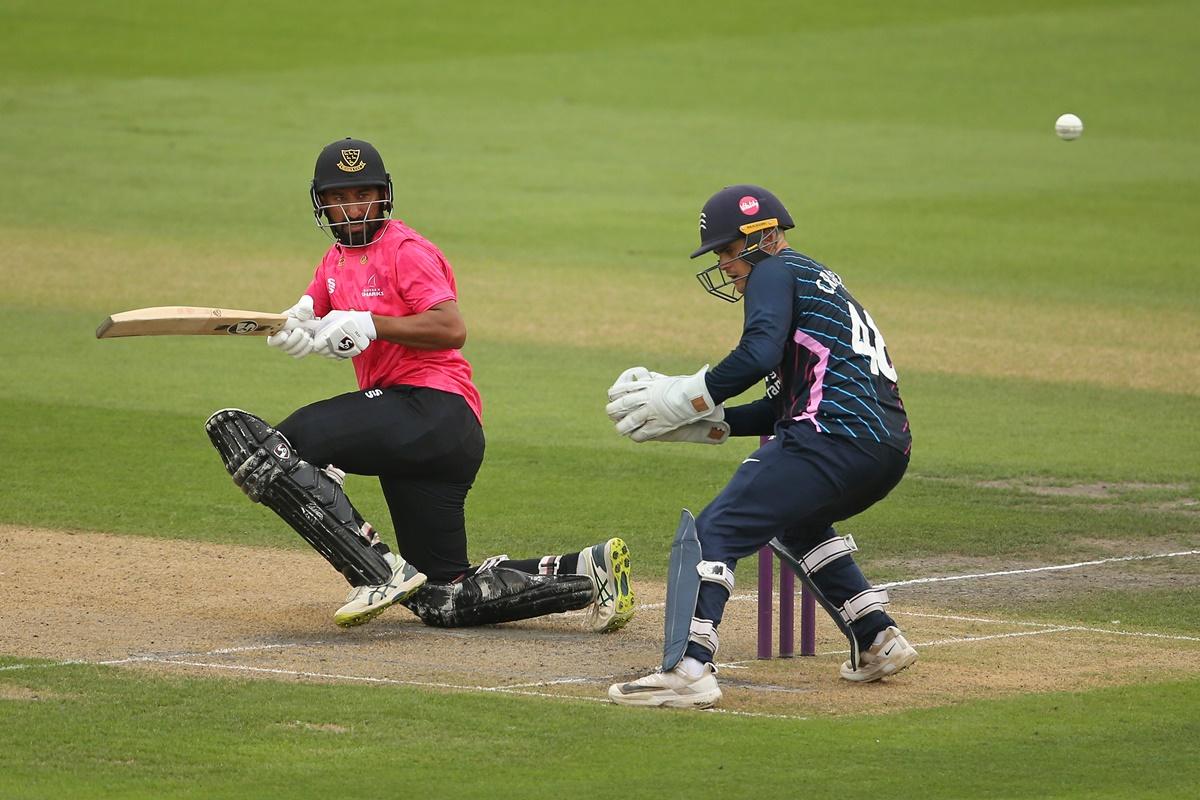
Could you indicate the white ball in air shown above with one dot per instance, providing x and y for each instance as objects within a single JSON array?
[{"x": 1068, "y": 127}]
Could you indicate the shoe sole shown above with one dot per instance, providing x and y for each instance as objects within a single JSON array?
[
  {"x": 649, "y": 700},
  {"x": 363, "y": 617},
  {"x": 620, "y": 568}
]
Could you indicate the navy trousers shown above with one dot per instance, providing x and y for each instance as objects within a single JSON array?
[{"x": 795, "y": 487}]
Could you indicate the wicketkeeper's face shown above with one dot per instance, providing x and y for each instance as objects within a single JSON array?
[{"x": 735, "y": 269}]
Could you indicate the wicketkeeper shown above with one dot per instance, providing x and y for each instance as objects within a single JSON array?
[
  {"x": 841, "y": 442},
  {"x": 384, "y": 297}
]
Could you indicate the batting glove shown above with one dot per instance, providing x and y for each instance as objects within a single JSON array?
[
  {"x": 295, "y": 339},
  {"x": 343, "y": 334}
]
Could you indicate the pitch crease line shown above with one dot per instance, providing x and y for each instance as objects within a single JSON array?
[
  {"x": 515, "y": 689},
  {"x": 1051, "y": 568},
  {"x": 430, "y": 684},
  {"x": 369, "y": 679},
  {"x": 974, "y": 575},
  {"x": 1056, "y": 626},
  {"x": 954, "y": 640}
]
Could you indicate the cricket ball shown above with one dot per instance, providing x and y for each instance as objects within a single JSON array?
[{"x": 1068, "y": 127}]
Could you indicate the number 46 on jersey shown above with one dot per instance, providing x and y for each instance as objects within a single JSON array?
[{"x": 866, "y": 340}]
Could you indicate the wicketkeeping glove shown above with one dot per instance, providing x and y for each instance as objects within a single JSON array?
[
  {"x": 295, "y": 339},
  {"x": 343, "y": 334},
  {"x": 631, "y": 380},
  {"x": 663, "y": 404},
  {"x": 702, "y": 432}
]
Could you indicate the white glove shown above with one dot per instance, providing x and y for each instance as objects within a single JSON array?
[
  {"x": 294, "y": 339},
  {"x": 662, "y": 405},
  {"x": 702, "y": 432},
  {"x": 343, "y": 334},
  {"x": 631, "y": 380}
]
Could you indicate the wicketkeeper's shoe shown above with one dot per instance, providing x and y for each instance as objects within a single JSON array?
[
  {"x": 889, "y": 654},
  {"x": 607, "y": 564},
  {"x": 365, "y": 603},
  {"x": 674, "y": 689}
]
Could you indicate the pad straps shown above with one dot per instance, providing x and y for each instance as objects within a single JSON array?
[
  {"x": 716, "y": 572},
  {"x": 827, "y": 551},
  {"x": 704, "y": 633},
  {"x": 864, "y": 603}
]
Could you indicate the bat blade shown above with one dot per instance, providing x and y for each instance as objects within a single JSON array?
[{"x": 190, "y": 321}]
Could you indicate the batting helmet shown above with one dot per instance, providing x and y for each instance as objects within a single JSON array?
[{"x": 344, "y": 163}]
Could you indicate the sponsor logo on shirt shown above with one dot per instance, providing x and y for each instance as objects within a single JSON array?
[
  {"x": 330, "y": 284},
  {"x": 372, "y": 289},
  {"x": 774, "y": 384}
]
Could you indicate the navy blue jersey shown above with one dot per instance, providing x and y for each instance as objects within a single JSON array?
[{"x": 824, "y": 359}]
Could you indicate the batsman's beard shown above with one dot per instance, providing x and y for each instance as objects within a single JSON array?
[{"x": 346, "y": 234}]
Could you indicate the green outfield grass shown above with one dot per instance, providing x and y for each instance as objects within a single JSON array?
[
  {"x": 1040, "y": 299},
  {"x": 270, "y": 740},
  {"x": 150, "y": 469}
]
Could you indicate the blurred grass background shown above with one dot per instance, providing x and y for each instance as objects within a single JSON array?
[{"x": 1039, "y": 298}]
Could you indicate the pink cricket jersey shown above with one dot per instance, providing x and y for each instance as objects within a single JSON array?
[{"x": 400, "y": 274}]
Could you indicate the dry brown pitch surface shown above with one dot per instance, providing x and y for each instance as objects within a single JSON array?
[{"x": 242, "y": 612}]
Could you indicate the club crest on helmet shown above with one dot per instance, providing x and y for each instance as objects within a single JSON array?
[{"x": 351, "y": 161}]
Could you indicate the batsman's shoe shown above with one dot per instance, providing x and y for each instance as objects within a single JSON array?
[
  {"x": 674, "y": 689},
  {"x": 365, "y": 603},
  {"x": 607, "y": 564},
  {"x": 887, "y": 656}
]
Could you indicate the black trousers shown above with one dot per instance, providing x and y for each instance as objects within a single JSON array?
[{"x": 425, "y": 445}]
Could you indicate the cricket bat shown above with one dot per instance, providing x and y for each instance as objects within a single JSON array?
[{"x": 190, "y": 321}]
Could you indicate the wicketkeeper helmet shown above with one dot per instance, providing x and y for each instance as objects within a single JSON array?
[{"x": 736, "y": 211}]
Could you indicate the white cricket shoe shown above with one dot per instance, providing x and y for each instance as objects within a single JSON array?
[
  {"x": 889, "y": 654},
  {"x": 365, "y": 603},
  {"x": 674, "y": 689},
  {"x": 607, "y": 564}
]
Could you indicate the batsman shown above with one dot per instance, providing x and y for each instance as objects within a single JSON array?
[
  {"x": 384, "y": 298},
  {"x": 840, "y": 443}
]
